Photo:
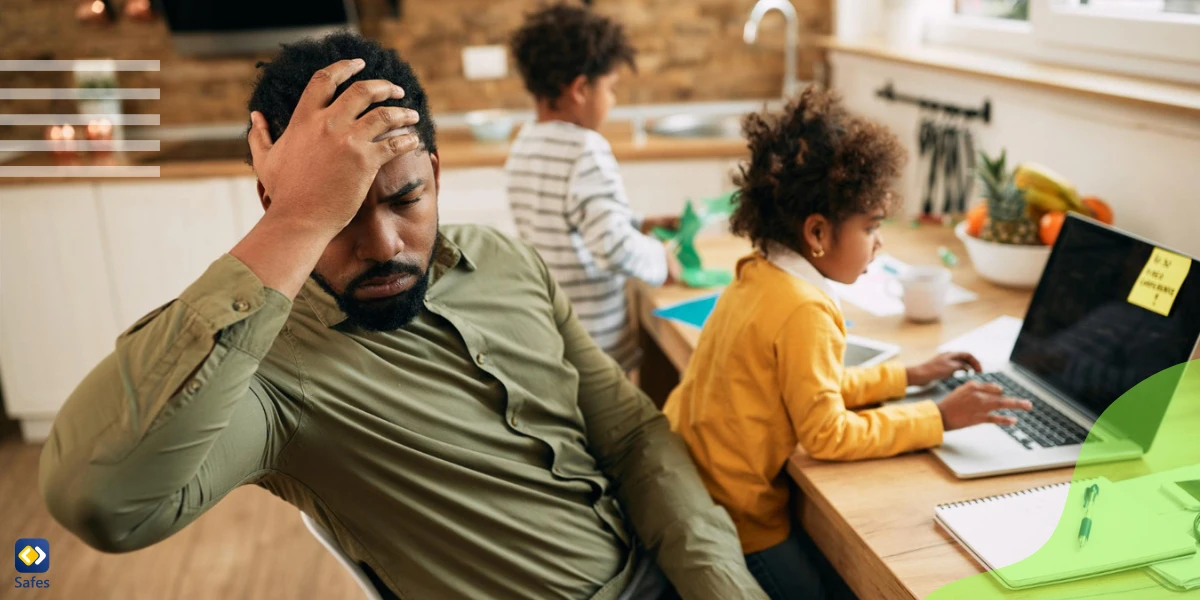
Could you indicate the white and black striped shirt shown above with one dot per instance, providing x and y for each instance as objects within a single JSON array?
[{"x": 569, "y": 202}]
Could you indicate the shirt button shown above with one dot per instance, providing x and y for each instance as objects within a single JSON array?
[
  {"x": 513, "y": 420},
  {"x": 241, "y": 306},
  {"x": 481, "y": 358},
  {"x": 193, "y": 386}
]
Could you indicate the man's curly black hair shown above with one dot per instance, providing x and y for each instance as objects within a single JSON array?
[
  {"x": 559, "y": 43},
  {"x": 282, "y": 80},
  {"x": 813, "y": 157}
]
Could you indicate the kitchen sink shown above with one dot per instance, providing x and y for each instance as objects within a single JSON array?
[{"x": 696, "y": 126}]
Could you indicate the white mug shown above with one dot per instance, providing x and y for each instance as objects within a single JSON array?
[{"x": 923, "y": 291}]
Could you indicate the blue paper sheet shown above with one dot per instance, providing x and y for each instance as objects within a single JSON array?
[{"x": 691, "y": 312}]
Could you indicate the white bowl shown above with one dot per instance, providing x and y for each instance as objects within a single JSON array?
[
  {"x": 490, "y": 125},
  {"x": 1009, "y": 265}
]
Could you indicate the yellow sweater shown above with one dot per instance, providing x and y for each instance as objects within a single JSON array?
[{"x": 768, "y": 375}]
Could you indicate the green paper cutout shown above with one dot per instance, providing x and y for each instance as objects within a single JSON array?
[
  {"x": 706, "y": 278},
  {"x": 691, "y": 223}
]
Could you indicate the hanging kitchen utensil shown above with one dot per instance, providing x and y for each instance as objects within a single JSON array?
[
  {"x": 968, "y": 167},
  {"x": 951, "y": 184},
  {"x": 930, "y": 145}
]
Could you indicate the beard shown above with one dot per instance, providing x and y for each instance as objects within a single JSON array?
[{"x": 383, "y": 314}]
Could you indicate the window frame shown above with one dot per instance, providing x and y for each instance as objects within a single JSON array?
[{"x": 1060, "y": 32}]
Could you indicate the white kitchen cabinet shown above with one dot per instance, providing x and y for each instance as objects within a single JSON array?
[
  {"x": 474, "y": 195},
  {"x": 477, "y": 196},
  {"x": 247, "y": 208},
  {"x": 79, "y": 263},
  {"x": 662, "y": 187},
  {"x": 57, "y": 314},
  {"x": 161, "y": 236},
  {"x": 654, "y": 188}
]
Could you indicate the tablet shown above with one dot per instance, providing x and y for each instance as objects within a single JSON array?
[{"x": 864, "y": 352}]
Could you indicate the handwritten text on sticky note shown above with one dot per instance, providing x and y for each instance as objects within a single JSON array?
[{"x": 1159, "y": 283}]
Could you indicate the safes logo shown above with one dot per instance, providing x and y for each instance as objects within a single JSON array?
[{"x": 31, "y": 555}]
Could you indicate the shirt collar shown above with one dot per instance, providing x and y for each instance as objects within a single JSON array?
[
  {"x": 325, "y": 308},
  {"x": 794, "y": 264}
]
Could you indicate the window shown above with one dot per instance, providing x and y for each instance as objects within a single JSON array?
[
  {"x": 1143, "y": 8},
  {"x": 1146, "y": 38},
  {"x": 1017, "y": 10}
]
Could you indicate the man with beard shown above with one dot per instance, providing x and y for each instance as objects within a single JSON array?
[{"x": 425, "y": 393}]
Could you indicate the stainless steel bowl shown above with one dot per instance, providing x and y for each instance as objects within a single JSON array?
[
  {"x": 490, "y": 125},
  {"x": 696, "y": 126}
]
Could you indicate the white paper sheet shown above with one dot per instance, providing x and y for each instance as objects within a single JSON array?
[
  {"x": 991, "y": 343},
  {"x": 873, "y": 293}
]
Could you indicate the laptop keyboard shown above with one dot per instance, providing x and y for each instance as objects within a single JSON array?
[{"x": 1044, "y": 426}]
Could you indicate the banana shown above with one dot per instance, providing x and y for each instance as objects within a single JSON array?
[
  {"x": 1034, "y": 177},
  {"x": 1045, "y": 201}
]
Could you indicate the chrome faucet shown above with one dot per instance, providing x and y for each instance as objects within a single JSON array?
[{"x": 792, "y": 42}]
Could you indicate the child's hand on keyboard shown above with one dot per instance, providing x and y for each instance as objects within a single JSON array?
[
  {"x": 973, "y": 402},
  {"x": 941, "y": 367}
]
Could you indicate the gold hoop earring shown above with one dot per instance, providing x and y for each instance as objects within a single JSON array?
[{"x": 818, "y": 253}]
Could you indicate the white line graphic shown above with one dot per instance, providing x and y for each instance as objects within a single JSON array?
[
  {"x": 78, "y": 119},
  {"x": 79, "y": 65},
  {"x": 79, "y": 145},
  {"x": 79, "y": 94},
  {"x": 80, "y": 171}
]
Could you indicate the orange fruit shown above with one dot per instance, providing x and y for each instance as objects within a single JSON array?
[
  {"x": 1050, "y": 225},
  {"x": 1100, "y": 209},
  {"x": 975, "y": 219}
]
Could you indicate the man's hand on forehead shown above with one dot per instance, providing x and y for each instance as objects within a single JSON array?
[
  {"x": 321, "y": 167},
  {"x": 395, "y": 132}
]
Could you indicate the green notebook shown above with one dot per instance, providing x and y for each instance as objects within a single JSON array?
[{"x": 1030, "y": 538}]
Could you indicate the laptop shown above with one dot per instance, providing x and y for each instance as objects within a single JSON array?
[{"x": 1083, "y": 343}]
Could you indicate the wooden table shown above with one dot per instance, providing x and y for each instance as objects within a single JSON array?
[{"x": 874, "y": 519}]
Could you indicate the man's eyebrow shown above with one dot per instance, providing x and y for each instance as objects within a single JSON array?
[{"x": 406, "y": 189}]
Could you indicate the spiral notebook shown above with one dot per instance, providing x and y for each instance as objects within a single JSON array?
[{"x": 1030, "y": 538}]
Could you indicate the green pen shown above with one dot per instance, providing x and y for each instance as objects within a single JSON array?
[{"x": 1085, "y": 527}]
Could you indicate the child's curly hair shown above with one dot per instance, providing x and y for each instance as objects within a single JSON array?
[
  {"x": 560, "y": 42},
  {"x": 811, "y": 158}
]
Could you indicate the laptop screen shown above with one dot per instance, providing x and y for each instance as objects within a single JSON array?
[{"x": 1086, "y": 337}]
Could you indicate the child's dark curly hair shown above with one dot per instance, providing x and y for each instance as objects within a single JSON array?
[
  {"x": 811, "y": 158},
  {"x": 282, "y": 81},
  {"x": 561, "y": 42}
]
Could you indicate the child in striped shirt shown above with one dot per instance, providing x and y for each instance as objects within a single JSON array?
[{"x": 564, "y": 185}]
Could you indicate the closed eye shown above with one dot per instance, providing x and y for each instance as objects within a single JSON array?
[{"x": 408, "y": 194}]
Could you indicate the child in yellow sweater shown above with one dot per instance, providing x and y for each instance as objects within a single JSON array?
[{"x": 768, "y": 374}]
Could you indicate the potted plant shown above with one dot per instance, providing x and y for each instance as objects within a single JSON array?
[
  {"x": 97, "y": 77},
  {"x": 99, "y": 102}
]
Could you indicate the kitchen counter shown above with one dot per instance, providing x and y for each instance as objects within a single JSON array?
[{"x": 224, "y": 157}]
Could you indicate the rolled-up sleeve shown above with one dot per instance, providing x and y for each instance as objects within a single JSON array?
[{"x": 173, "y": 419}]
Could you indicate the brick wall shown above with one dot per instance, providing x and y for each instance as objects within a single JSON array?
[{"x": 690, "y": 50}]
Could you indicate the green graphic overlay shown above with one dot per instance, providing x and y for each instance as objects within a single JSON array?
[{"x": 1136, "y": 513}]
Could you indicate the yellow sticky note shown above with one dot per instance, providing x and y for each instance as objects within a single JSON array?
[{"x": 1159, "y": 283}]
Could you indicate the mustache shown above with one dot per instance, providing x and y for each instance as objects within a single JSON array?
[{"x": 387, "y": 269}]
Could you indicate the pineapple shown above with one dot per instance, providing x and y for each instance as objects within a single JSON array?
[{"x": 1008, "y": 221}]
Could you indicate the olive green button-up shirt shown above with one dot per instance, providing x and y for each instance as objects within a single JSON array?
[{"x": 488, "y": 450}]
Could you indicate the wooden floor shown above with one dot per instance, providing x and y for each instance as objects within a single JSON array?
[{"x": 251, "y": 545}]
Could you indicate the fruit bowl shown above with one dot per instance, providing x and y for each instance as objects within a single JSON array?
[{"x": 1008, "y": 265}]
